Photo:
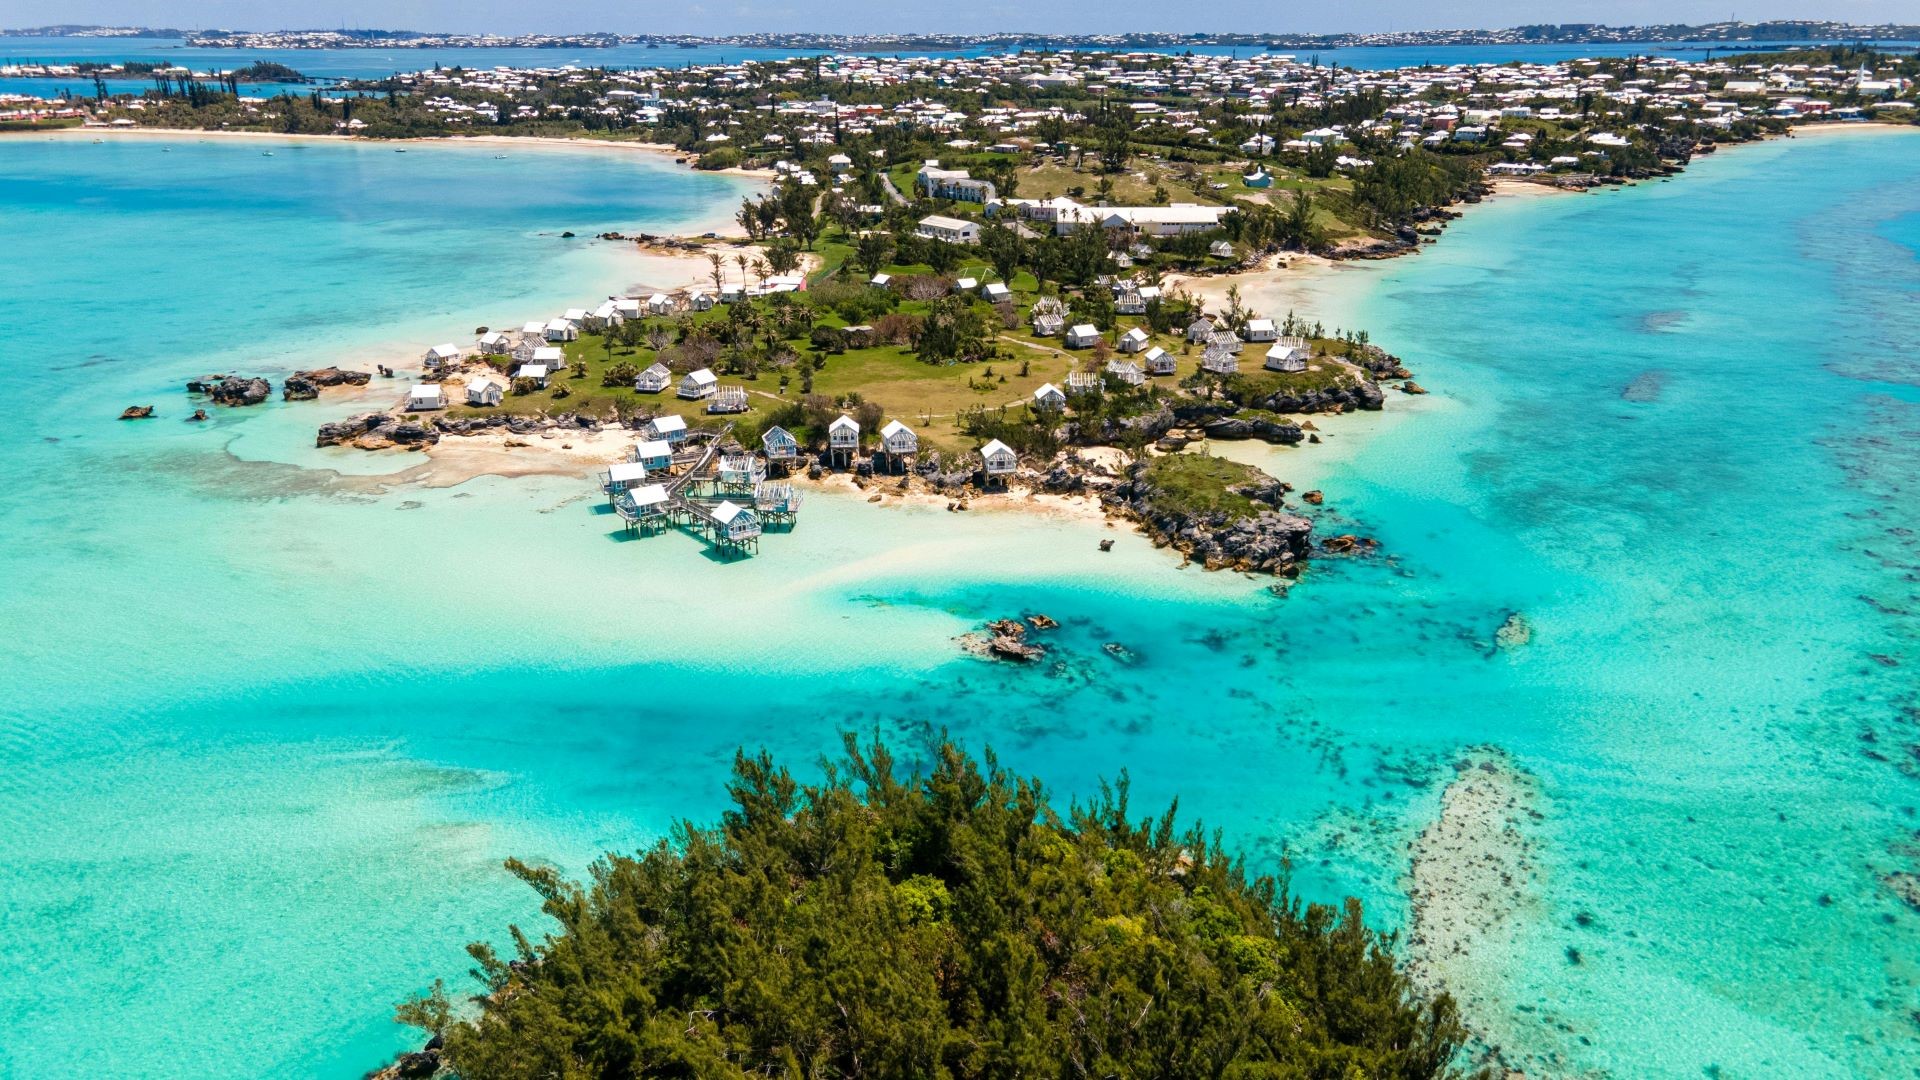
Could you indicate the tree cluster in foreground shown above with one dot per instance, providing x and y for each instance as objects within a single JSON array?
[{"x": 952, "y": 924}]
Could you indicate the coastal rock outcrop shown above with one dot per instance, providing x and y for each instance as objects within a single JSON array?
[
  {"x": 377, "y": 431},
  {"x": 136, "y": 412},
  {"x": 306, "y": 385},
  {"x": 1361, "y": 395},
  {"x": 1248, "y": 530},
  {"x": 232, "y": 390},
  {"x": 1266, "y": 429}
]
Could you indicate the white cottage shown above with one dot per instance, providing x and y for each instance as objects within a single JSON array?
[
  {"x": 899, "y": 439},
  {"x": 699, "y": 384},
  {"x": 1049, "y": 396},
  {"x": 996, "y": 292},
  {"x": 441, "y": 356},
  {"x": 536, "y": 373},
  {"x": 659, "y": 304},
  {"x": 1158, "y": 361},
  {"x": 1289, "y": 354},
  {"x": 554, "y": 357},
  {"x": 736, "y": 522},
  {"x": 560, "y": 330},
  {"x": 484, "y": 390},
  {"x": 1133, "y": 341},
  {"x": 653, "y": 380},
  {"x": 1261, "y": 330},
  {"x": 494, "y": 343},
  {"x": 1083, "y": 336},
  {"x": 998, "y": 459},
  {"x": 843, "y": 435},
  {"x": 425, "y": 396}
]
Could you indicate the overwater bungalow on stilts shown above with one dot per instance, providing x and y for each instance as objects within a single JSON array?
[
  {"x": 645, "y": 509},
  {"x": 777, "y": 502}
]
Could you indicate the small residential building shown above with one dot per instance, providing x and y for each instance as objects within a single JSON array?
[
  {"x": 699, "y": 301},
  {"x": 1221, "y": 249},
  {"x": 425, "y": 396},
  {"x": 659, "y": 304},
  {"x": 779, "y": 444},
  {"x": 534, "y": 373},
  {"x": 880, "y": 281},
  {"x": 1261, "y": 330},
  {"x": 553, "y": 357},
  {"x": 899, "y": 439},
  {"x": 1289, "y": 354},
  {"x": 1084, "y": 382},
  {"x": 1133, "y": 341},
  {"x": 1048, "y": 324},
  {"x": 843, "y": 435},
  {"x": 735, "y": 522},
  {"x": 655, "y": 454},
  {"x": 996, "y": 292},
  {"x": 1050, "y": 397},
  {"x": 742, "y": 470},
  {"x": 560, "y": 330},
  {"x": 1129, "y": 302},
  {"x": 647, "y": 500},
  {"x": 699, "y": 384},
  {"x": 1126, "y": 371},
  {"x": 1220, "y": 360},
  {"x": 1199, "y": 330},
  {"x": 998, "y": 459},
  {"x": 494, "y": 343},
  {"x": 653, "y": 380},
  {"x": 949, "y": 229},
  {"x": 1083, "y": 336},
  {"x": 1158, "y": 361},
  {"x": 441, "y": 356},
  {"x": 485, "y": 390},
  {"x": 670, "y": 428},
  {"x": 966, "y": 284},
  {"x": 624, "y": 476},
  {"x": 728, "y": 399}
]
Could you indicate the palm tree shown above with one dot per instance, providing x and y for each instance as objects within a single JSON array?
[{"x": 717, "y": 260}]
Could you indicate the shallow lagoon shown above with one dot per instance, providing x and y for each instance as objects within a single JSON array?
[{"x": 271, "y": 729}]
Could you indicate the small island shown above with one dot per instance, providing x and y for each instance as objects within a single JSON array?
[{"x": 944, "y": 920}]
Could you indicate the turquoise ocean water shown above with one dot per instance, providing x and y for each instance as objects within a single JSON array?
[{"x": 270, "y": 722}]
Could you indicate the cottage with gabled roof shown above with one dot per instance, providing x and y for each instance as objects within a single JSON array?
[
  {"x": 1289, "y": 354},
  {"x": 668, "y": 427},
  {"x": 1261, "y": 330},
  {"x": 1133, "y": 341},
  {"x": 425, "y": 396},
  {"x": 653, "y": 380},
  {"x": 1158, "y": 361},
  {"x": 485, "y": 390},
  {"x": 699, "y": 384},
  {"x": 1049, "y": 397},
  {"x": 1083, "y": 336},
  {"x": 779, "y": 444},
  {"x": 998, "y": 459},
  {"x": 441, "y": 356}
]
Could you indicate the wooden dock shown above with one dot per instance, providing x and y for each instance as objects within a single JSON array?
[{"x": 728, "y": 505}]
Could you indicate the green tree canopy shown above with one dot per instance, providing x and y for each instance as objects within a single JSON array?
[{"x": 952, "y": 925}]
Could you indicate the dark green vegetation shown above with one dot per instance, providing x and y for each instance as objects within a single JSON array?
[
  {"x": 950, "y": 925},
  {"x": 1195, "y": 485}
]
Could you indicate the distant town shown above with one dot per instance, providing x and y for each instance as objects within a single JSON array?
[{"x": 1761, "y": 33}]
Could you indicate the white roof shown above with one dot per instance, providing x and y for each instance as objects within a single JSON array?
[
  {"x": 449, "y": 349},
  {"x": 703, "y": 376},
  {"x": 1136, "y": 332},
  {"x": 559, "y": 324},
  {"x": 424, "y": 390},
  {"x": 844, "y": 423},
  {"x": 534, "y": 328},
  {"x": 1047, "y": 389},
  {"x": 533, "y": 371},
  {"x": 669, "y": 422},
  {"x": 994, "y": 448},
  {"x": 941, "y": 221},
  {"x": 1154, "y": 353},
  {"x": 648, "y": 494},
  {"x": 657, "y": 369},
  {"x": 621, "y": 471},
  {"x": 1083, "y": 329},
  {"x": 996, "y": 286},
  {"x": 652, "y": 448},
  {"x": 481, "y": 382},
  {"x": 727, "y": 511},
  {"x": 894, "y": 427},
  {"x": 1259, "y": 324},
  {"x": 547, "y": 353},
  {"x": 777, "y": 434}
]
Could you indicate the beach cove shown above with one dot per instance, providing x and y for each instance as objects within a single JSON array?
[{"x": 273, "y": 729}]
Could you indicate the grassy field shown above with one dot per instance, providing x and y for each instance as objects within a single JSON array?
[{"x": 1134, "y": 186}]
